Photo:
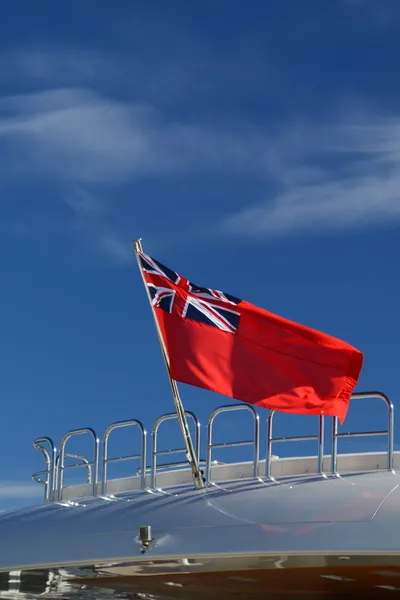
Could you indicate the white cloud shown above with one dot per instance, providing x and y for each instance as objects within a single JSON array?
[
  {"x": 111, "y": 244},
  {"x": 13, "y": 490},
  {"x": 75, "y": 136},
  {"x": 83, "y": 137},
  {"x": 86, "y": 143},
  {"x": 58, "y": 64},
  {"x": 378, "y": 15},
  {"x": 329, "y": 177},
  {"x": 81, "y": 202},
  {"x": 354, "y": 181}
]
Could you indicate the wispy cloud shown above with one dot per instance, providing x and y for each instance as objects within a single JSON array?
[
  {"x": 90, "y": 143},
  {"x": 326, "y": 177},
  {"x": 92, "y": 211},
  {"x": 59, "y": 66},
  {"x": 378, "y": 15},
  {"x": 337, "y": 177},
  {"x": 80, "y": 136},
  {"x": 15, "y": 490}
]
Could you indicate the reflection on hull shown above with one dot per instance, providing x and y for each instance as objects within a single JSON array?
[
  {"x": 303, "y": 537},
  {"x": 369, "y": 576}
]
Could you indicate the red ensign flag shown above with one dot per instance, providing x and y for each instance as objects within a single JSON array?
[{"x": 221, "y": 343}]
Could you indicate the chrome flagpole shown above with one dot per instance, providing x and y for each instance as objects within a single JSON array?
[{"x": 180, "y": 411}]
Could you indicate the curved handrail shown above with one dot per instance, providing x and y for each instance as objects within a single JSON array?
[
  {"x": 141, "y": 456},
  {"x": 52, "y": 477},
  {"x": 50, "y": 460},
  {"x": 255, "y": 442},
  {"x": 156, "y": 452},
  {"x": 84, "y": 463},
  {"x": 61, "y": 463},
  {"x": 299, "y": 438},
  {"x": 389, "y": 431}
]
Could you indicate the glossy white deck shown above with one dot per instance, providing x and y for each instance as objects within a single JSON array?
[{"x": 282, "y": 468}]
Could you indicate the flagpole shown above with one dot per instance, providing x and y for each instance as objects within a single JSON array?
[{"x": 180, "y": 411}]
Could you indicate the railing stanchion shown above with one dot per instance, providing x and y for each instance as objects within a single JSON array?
[
  {"x": 389, "y": 431},
  {"x": 141, "y": 456},
  {"x": 156, "y": 452},
  {"x": 86, "y": 463},
  {"x": 49, "y": 472},
  {"x": 335, "y": 422},
  {"x": 319, "y": 437},
  {"x": 255, "y": 442}
]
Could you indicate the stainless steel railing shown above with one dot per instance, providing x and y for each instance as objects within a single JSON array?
[
  {"x": 255, "y": 442},
  {"x": 49, "y": 471},
  {"x": 141, "y": 456},
  {"x": 299, "y": 438},
  {"x": 389, "y": 432},
  {"x": 156, "y": 452},
  {"x": 52, "y": 477},
  {"x": 93, "y": 463}
]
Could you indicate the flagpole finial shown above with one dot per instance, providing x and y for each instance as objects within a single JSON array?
[{"x": 137, "y": 245}]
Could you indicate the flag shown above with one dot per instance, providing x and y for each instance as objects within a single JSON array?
[{"x": 221, "y": 343}]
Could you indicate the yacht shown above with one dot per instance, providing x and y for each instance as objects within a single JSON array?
[{"x": 271, "y": 527}]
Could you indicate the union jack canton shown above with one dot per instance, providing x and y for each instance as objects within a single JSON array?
[{"x": 204, "y": 305}]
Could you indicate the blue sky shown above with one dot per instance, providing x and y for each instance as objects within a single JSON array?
[{"x": 255, "y": 147}]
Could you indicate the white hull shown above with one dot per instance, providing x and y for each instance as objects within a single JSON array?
[{"x": 265, "y": 529}]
